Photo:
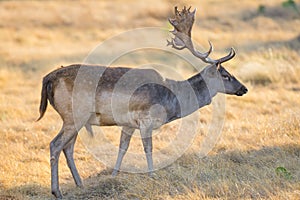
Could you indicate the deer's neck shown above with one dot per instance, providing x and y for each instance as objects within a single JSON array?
[
  {"x": 202, "y": 92},
  {"x": 191, "y": 94}
]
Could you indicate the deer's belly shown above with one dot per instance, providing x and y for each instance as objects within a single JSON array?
[{"x": 153, "y": 118}]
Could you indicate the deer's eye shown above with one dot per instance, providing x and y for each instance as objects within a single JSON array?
[{"x": 226, "y": 77}]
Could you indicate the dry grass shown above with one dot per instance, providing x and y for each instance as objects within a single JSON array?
[{"x": 261, "y": 130}]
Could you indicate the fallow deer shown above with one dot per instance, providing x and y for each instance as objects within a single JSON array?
[{"x": 94, "y": 99}]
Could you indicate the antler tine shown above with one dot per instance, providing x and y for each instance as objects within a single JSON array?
[
  {"x": 176, "y": 11},
  {"x": 228, "y": 57},
  {"x": 172, "y": 43},
  {"x": 204, "y": 56},
  {"x": 173, "y": 22}
]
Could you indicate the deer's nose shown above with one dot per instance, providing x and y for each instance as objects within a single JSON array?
[{"x": 243, "y": 90}]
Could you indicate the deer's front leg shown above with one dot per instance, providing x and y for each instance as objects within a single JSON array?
[{"x": 146, "y": 134}]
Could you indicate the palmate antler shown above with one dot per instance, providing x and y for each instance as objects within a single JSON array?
[{"x": 183, "y": 23}]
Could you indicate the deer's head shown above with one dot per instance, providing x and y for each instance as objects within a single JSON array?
[{"x": 217, "y": 78}]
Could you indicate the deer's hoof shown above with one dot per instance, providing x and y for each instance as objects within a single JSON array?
[
  {"x": 57, "y": 194},
  {"x": 114, "y": 173}
]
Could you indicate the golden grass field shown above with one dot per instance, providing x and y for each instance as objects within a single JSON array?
[{"x": 261, "y": 131}]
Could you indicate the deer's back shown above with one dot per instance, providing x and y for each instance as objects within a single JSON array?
[{"x": 111, "y": 95}]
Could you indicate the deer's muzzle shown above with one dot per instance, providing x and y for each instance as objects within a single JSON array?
[{"x": 243, "y": 90}]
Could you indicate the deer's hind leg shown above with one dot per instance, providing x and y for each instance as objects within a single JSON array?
[
  {"x": 67, "y": 134},
  {"x": 69, "y": 151}
]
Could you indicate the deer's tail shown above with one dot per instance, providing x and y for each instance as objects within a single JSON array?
[{"x": 46, "y": 94}]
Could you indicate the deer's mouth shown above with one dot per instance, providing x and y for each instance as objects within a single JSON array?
[{"x": 243, "y": 90}]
